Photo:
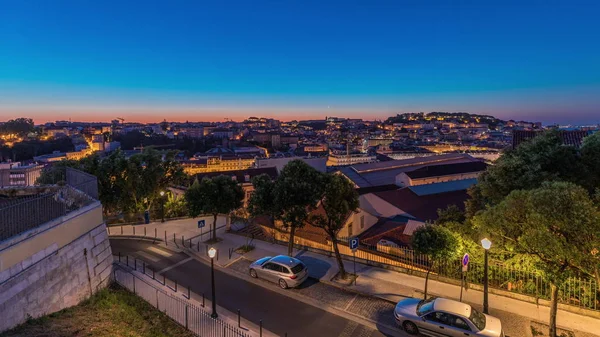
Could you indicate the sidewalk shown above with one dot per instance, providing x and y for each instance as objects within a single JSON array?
[{"x": 389, "y": 285}]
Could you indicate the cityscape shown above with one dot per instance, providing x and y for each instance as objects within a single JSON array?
[{"x": 332, "y": 169}]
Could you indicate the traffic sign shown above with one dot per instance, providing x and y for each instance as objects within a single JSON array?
[
  {"x": 465, "y": 262},
  {"x": 201, "y": 223},
  {"x": 353, "y": 244}
]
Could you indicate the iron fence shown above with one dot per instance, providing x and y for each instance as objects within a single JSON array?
[
  {"x": 193, "y": 317},
  {"x": 25, "y": 208},
  {"x": 576, "y": 291}
]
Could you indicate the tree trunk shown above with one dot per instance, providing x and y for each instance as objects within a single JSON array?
[
  {"x": 338, "y": 257},
  {"x": 553, "y": 309},
  {"x": 426, "y": 283},
  {"x": 214, "y": 231},
  {"x": 291, "y": 242}
]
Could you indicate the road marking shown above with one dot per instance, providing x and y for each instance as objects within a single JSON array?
[
  {"x": 160, "y": 251},
  {"x": 350, "y": 303},
  {"x": 148, "y": 256},
  {"x": 348, "y": 329},
  {"x": 175, "y": 265}
]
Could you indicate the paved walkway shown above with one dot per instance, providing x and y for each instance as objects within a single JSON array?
[{"x": 386, "y": 284}]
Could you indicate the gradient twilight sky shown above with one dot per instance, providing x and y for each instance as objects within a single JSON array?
[{"x": 208, "y": 60}]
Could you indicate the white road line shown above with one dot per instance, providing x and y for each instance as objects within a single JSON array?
[
  {"x": 175, "y": 265},
  {"x": 148, "y": 256},
  {"x": 160, "y": 251}
]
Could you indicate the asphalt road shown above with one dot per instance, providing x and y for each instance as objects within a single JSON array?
[{"x": 280, "y": 314}]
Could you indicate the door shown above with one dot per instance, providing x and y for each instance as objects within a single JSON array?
[
  {"x": 269, "y": 272},
  {"x": 436, "y": 324},
  {"x": 461, "y": 328}
]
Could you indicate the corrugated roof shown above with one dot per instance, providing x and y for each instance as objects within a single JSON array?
[
  {"x": 444, "y": 187},
  {"x": 447, "y": 169}
]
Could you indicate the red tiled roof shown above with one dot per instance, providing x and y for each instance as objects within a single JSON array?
[{"x": 423, "y": 207}]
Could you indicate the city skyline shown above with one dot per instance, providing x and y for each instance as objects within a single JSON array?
[{"x": 208, "y": 62}]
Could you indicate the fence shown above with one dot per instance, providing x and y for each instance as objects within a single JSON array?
[
  {"x": 192, "y": 317},
  {"x": 576, "y": 291}
]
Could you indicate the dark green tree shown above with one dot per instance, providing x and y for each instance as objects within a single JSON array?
[
  {"x": 340, "y": 200},
  {"x": 557, "y": 226},
  {"x": 438, "y": 244},
  {"x": 290, "y": 199},
  {"x": 214, "y": 196},
  {"x": 590, "y": 157},
  {"x": 18, "y": 126},
  {"x": 541, "y": 159}
]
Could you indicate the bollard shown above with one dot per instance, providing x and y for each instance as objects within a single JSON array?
[
  {"x": 189, "y": 293},
  {"x": 182, "y": 241},
  {"x": 127, "y": 261},
  {"x": 121, "y": 230},
  {"x": 239, "y": 319},
  {"x": 190, "y": 243},
  {"x": 155, "y": 233},
  {"x": 203, "y": 300},
  {"x": 198, "y": 246},
  {"x": 166, "y": 243},
  {"x": 134, "y": 263},
  {"x": 133, "y": 230},
  {"x": 144, "y": 267},
  {"x": 144, "y": 231},
  {"x": 174, "y": 238},
  {"x": 153, "y": 274},
  {"x": 119, "y": 256},
  {"x": 260, "y": 327},
  {"x": 175, "y": 285}
]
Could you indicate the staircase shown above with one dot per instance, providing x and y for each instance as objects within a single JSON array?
[{"x": 254, "y": 231}]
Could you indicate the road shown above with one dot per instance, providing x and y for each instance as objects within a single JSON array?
[{"x": 280, "y": 314}]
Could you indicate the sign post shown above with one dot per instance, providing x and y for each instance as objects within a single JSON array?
[
  {"x": 201, "y": 224},
  {"x": 354, "y": 246},
  {"x": 465, "y": 268}
]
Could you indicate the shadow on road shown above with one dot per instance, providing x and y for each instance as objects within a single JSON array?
[{"x": 316, "y": 268}]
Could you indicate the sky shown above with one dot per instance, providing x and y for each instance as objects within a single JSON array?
[{"x": 210, "y": 60}]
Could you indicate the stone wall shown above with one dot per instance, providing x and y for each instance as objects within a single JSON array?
[{"x": 55, "y": 278}]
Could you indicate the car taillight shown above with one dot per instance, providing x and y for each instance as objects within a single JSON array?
[{"x": 293, "y": 277}]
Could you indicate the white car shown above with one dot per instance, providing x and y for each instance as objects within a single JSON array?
[{"x": 440, "y": 317}]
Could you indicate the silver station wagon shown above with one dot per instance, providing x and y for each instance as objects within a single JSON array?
[{"x": 286, "y": 271}]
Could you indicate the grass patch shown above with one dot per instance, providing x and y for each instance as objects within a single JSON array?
[
  {"x": 244, "y": 249},
  {"x": 113, "y": 311}
]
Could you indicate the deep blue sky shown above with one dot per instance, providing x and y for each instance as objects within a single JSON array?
[{"x": 199, "y": 60}]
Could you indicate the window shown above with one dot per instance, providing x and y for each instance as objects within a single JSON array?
[
  {"x": 460, "y": 323},
  {"x": 362, "y": 222},
  {"x": 478, "y": 319},
  {"x": 425, "y": 306},
  {"x": 297, "y": 268},
  {"x": 350, "y": 229}
]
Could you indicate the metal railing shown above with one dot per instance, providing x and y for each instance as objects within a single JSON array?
[
  {"x": 576, "y": 291},
  {"x": 194, "y": 318},
  {"x": 41, "y": 204}
]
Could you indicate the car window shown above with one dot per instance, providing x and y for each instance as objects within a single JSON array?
[
  {"x": 425, "y": 306},
  {"x": 285, "y": 270},
  {"x": 478, "y": 319},
  {"x": 297, "y": 268},
  {"x": 439, "y": 317},
  {"x": 458, "y": 322},
  {"x": 270, "y": 266},
  {"x": 277, "y": 268}
]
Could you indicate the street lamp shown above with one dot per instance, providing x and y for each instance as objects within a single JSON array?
[
  {"x": 212, "y": 252},
  {"x": 162, "y": 206},
  {"x": 486, "y": 244}
]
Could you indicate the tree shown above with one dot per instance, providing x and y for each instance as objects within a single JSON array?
[
  {"x": 590, "y": 157},
  {"x": 556, "y": 225},
  {"x": 290, "y": 198},
  {"x": 541, "y": 159},
  {"x": 437, "y": 243},
  {"x": 340, "y": 200},
  {"x": 214, "y": 196},
  {"x": 19, "y": 126}
]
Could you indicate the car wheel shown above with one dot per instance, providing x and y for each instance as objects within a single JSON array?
[
  {"x": 410, "y": 328},
  {"x": 253, "y": 273},
  {"x": 282, "y": 284}
]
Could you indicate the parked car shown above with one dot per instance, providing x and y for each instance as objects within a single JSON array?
[
  {"x": 286, "y": 271},
  {"x": 440, "y": 317}
]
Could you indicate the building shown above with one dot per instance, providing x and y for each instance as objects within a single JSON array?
[
  {"x": 15, "y": 174},
  {"x": 385, "y": 173},
  {"x": 318, "y": 163},
  {"x": 218, "y": 163},
  {"x": 350, "y": 159},
  {"x": 441, "y": 173},
  {"x": 569, "y": 137},
  {"x": 193, "y": 132}
]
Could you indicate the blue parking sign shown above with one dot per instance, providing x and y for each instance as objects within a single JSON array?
[
  {"x": 353, "y": 243},
  {"x": 201, "y": 223}
]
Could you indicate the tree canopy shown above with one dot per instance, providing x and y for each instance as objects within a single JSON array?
[{"x": 19, "y": 126}]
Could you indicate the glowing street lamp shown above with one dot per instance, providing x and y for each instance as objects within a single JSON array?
[
  {"x": 212, "y": 252},
  {"x": 486, "y": 244},
  {"x": 162, "y": 206}
]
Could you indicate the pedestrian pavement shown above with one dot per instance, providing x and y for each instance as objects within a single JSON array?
[{"x": 386, "y": 284}]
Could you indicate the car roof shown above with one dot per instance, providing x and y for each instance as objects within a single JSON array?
[
  {"x": 285, "y": 260},
  {"x": 452, "y": 307}
]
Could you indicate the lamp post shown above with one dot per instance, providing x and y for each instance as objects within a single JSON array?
[
  {"x": 162, "y": 206},
  {"x": 486, "y": 244},
  {"x": 212, "y": 252}
]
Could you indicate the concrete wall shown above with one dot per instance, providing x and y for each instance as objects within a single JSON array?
[{"x": 54, "y": 266}]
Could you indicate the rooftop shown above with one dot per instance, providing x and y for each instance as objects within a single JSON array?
[{"x": 447, "y": 169}]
